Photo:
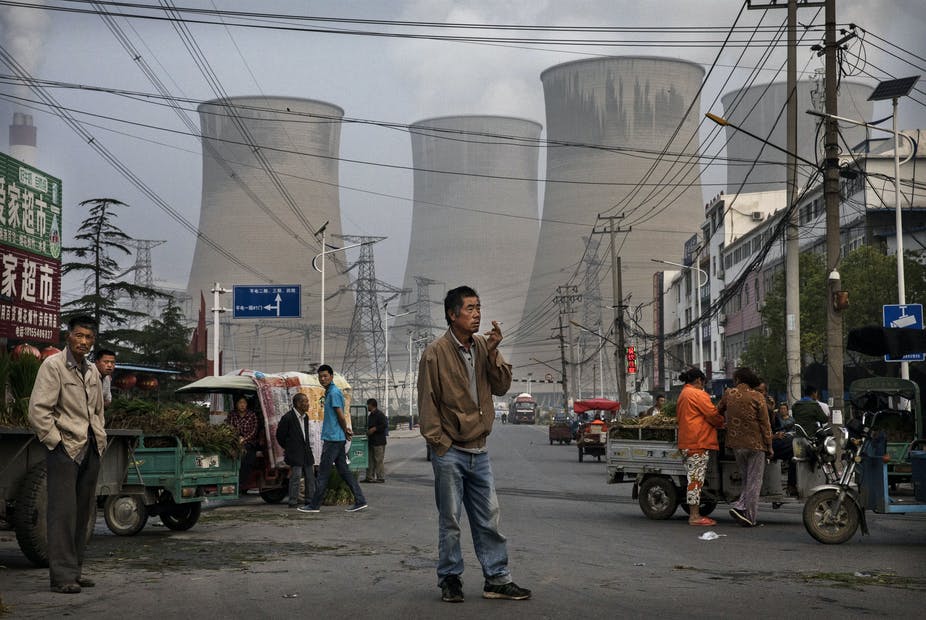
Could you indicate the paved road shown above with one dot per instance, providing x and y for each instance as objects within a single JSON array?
[{"x": 582, "y": 545}]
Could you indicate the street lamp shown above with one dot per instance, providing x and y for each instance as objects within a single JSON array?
[
  {"x": 698, "y": 295},
  {"x": 893, "y": 90},
  {"x": 386, "y": 348},
  {"x": 321, "y": 270}
]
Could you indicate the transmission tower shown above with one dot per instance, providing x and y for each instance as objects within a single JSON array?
[
  {"x": 143, "y": 275},
  {"x": 366, "y": 329}
]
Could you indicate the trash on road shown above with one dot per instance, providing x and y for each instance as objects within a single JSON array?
[{"x": 710, "y": 535}]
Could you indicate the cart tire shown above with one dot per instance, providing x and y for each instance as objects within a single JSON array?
[
  {"x": 551, "y": 442},
  {"x": 182, "y": 516},
  {"x": 826, "y": 525},
  {"x": 274, "y": 496},
  {"x": 568, "y": 441},
  {"x": 29, "y": 517},
  {"x": 706, "y": 507},
  {"x": 125, "y": 515},
  {"x": 658, "y": 497},
  {"x": 581, "y": 454}
]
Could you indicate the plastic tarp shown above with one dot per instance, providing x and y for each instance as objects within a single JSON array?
[
  {"x": 275, "y": 393},
  {"x": 595, "y": 404}
]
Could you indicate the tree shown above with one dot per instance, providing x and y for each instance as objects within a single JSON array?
[
  {"x": 101, "y": 239},
  {"x": 870, "y": 277},
  {"x": 163, "y": 343}
]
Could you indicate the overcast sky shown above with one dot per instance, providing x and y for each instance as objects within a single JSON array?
[{"x": 378, "y": 78}]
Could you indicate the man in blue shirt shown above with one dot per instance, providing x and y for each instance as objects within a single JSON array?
[{"x": 335, "y": 433}]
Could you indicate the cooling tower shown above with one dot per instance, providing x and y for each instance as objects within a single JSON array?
[
  {"x": 474, "y": 215},
  {"x": 761, "y": 110},
  {"x": 270, "y": 179},
  {"x": 608, "y": 120}
]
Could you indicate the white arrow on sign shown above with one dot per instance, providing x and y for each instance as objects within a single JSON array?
[{"x": 271, "y": 307}]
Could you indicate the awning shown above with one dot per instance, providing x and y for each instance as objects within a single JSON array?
[{"x": 595, "y": 404}]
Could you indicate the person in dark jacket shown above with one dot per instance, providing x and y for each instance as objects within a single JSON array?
[
  {"x": 377, "y": 428},
  {"x": 293, "y": 436}
]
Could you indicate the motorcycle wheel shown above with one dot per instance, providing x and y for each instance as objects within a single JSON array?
[
  {"x": 658, "y": 498},
  {"x": 826, "y": 523}
]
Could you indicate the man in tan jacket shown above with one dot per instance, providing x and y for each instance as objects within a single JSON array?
[
  {"x": 66, "y": 413},
  {"x": 458, "y": 374}
]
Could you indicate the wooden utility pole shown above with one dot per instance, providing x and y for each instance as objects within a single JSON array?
[{"x": 617, "y": 288}]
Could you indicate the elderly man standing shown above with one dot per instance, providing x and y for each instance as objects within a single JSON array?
[
  {"x": 458, "y": 374},
  {"x": 66, "y": 412}
]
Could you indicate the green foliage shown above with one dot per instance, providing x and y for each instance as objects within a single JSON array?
[
  {"x": 337, "y": 493},
  {"x": 867, "y": 274},
  {"x": 98, "y": 240},
  {"x": 190, "y": 423},
  {"x": 163, "y": 343},
  {"x": 19, "y": 377}
]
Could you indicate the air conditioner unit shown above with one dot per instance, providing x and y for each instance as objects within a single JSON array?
[
  {"x": 722, "y": 318},
  {"x": 720, "y": 274},
  {"x": 758, "y": 216}
]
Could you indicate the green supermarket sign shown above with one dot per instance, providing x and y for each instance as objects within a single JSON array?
[{"x": 30, "y": 209}]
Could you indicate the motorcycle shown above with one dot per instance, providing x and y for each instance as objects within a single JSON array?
[
  {"x": 819, "y": 448},
  {"x": 836, "y": 510}
]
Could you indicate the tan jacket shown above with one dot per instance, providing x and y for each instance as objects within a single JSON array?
[
  {"x": 447, "y": 413},
  {"x": 65, "y": 403}
]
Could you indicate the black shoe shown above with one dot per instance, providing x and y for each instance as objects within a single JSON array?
[
  {"x": 85, "y": 582},
  {"x": 67, "y": 588},
  {"x": 452, "y": 589},
  {"x": 368, "y": 480},
  {"x": 739, "y": 516},
  {"x": 510, "y": 591},
  {"x": 380, "y": 480}
]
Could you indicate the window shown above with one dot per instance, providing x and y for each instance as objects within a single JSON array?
[{"x": 746, "y": 292}]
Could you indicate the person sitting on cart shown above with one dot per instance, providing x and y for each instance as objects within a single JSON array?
[
  {"x": 782, "y": 436},
  {"x": 807, "y": 412},
  {"x": 243, "y": 419}
]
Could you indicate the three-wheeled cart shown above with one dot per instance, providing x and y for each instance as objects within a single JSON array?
[
  {"x": 592, "y": 436},
  {"x": 24, "y": 490},
  {"x": 169, "y": 480}
]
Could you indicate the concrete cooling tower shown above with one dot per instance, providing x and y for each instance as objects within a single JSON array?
[
  {"x": 761, "y": 110},
  {"x": 474, "y": 216},
  {"x": 263, "y": 205},
  {"x": 608, "y": 120}
]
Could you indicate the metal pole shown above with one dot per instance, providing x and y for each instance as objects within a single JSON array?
[
  {"x": 386, "y": 356},
  {"x": 217, "y": 309},
  {"x": 700, "y": 332},
  {"x": 898, "y": 222},
  {"x": 321, "y": 354},
  {"x": 600, "y": 368}
]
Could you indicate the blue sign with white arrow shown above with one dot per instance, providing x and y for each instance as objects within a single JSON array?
[
  {"x": 267, "y": 302},
  {"x": 904, "y": 316}
]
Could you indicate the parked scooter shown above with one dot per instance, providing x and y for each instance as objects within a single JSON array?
[{"x": 818, "y": 448}]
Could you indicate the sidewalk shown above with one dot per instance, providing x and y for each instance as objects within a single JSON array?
[{"x": 405, "y": 434}]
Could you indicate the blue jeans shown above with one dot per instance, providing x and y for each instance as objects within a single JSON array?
[
  {"x": 333, "y": 454},
  {"x": 464, "y": 479},
  {"x": 298, "y": 473}
]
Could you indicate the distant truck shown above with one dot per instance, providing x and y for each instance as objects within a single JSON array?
[{"x": 523, "y": 409}]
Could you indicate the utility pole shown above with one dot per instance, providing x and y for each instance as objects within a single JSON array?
[
  {"x": 792, "y": 243},
  {"x": 565, "y": 297},
  {"x": 616, "y": 286},
  {"x": 834, "y": 350}
]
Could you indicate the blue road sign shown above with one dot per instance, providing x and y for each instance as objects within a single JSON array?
[
  {"x": 906, "y": 316},
  {"x": 267, "y": 302}
]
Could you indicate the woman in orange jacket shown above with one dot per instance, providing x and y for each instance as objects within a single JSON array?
[{"x": 698, "y": 421}]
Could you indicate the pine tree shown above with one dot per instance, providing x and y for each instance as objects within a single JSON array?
[{"x": 99, "y": 240}]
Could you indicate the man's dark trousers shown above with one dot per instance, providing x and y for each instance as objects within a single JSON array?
[{"x": 71, "y": 503}]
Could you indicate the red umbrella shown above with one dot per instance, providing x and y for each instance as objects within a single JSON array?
[{"x": 595, "y": 404}]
